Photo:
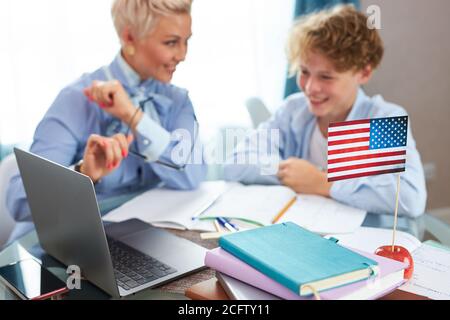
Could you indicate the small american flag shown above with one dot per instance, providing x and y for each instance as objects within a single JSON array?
[{"x": 366, "y": 147}]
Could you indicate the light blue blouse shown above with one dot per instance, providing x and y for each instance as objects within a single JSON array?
[
  {"x": 375, "y": 194},
  {"x": 62, "y": 134}
]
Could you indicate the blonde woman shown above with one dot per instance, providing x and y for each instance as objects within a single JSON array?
[
  {"x": 124, "y": 125},
  {"x": 333, "y": 53}
]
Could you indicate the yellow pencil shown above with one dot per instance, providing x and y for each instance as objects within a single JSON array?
[{"x": 283, "y": 211}]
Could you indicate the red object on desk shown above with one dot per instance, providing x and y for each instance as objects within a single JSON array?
[
  {"x": 400, "y": 254},
  {"x": 54, "y": 295}
]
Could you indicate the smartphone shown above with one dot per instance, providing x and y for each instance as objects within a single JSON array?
[{"x": 30, "y": 281}]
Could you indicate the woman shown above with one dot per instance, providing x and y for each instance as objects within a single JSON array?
[{"x": 119, "y": 125}]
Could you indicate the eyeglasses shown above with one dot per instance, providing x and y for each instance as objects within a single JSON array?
[{"x": 164, "y": 163}]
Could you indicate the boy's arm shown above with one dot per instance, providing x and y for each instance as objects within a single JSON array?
[{"x": 256, "y": 159}]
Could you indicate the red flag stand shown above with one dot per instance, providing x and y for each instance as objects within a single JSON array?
[{"x": 398, "y": 253}]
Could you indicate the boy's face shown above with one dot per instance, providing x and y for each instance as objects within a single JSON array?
[{"x": 331, "y": 94}]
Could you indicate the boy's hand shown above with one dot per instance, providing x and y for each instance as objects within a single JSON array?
[
  {"x": 111, "y": 97},
  {"x": 104, "y": 154},
  {"x": 303, "y": 177}
]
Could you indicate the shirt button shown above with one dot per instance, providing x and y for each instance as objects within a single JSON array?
[{"x": 146, "y": 142}]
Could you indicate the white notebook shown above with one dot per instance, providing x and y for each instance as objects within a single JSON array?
[
  {"x": 238, "y": 290},
  {"x": 247, "y": 205},
  {"x": 171, "y": 208},
  {"x": 375, "y": 238},
  {"x": 261, "y": 204}
]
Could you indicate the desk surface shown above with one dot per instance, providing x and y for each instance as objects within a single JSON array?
[{"x": 424, "y": 228}]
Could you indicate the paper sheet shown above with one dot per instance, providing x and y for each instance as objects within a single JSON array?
[
  {"x": 262, "y": 203},
  {"x": 431, "y": 277},
  {"x": 171, "y": 208},
  {"x": 369, "y": 239},
  {"x": 259, "y": 203},
  {"x": 254, "y": 202},
  {"x": 323, "y": 215}
]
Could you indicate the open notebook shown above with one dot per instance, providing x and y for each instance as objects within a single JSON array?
[
  {"x": 431, "y": 276},
  {"x": 261, "y": 204},
  {"x": 252, "y": 205},
  {"x": 168, "y": 208}
]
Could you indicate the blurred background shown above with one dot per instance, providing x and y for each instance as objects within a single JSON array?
[{"x": 237, "y": 52}]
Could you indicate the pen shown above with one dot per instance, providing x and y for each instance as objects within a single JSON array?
[
  {"x": 157, "y": 161},
  {"x": 224, "y": 222},
  {"x": 253, "y": 222},
  {"x": 217, "y": 226},
  {"x": 283, "y": 211},
  {"x": 137, "y": 154}
]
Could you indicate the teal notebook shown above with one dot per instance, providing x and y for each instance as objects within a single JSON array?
[{"x": 297, "y": 258}]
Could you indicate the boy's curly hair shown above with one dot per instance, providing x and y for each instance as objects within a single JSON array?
[{"x": 341, "y": 34}]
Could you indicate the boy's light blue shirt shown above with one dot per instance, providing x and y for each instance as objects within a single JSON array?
[
  {"x": 62, "y": 134},
  {"x": 375, "y": 194}
]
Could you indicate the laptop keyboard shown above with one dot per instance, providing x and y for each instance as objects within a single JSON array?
[{"x": 133, "y": 268}]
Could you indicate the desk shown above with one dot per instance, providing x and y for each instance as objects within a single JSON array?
[{"x": 424, "y": 228}]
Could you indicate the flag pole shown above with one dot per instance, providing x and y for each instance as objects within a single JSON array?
[{"x": 396, "y": 211}]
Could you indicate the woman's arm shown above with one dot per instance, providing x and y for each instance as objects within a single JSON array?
[
  {"x": 186, "y": 152},
  {"x": 55, "y": 139}
]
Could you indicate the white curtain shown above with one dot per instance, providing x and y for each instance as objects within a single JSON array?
[{"x": 237, "y": 51}]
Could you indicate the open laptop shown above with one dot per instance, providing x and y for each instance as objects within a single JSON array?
[{"x": 120, "y": 258}]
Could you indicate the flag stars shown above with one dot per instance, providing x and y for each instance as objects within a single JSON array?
[{"x": 388, "y": 132}]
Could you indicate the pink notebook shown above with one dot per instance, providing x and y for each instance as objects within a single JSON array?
[{"x": 389, "y": 278}]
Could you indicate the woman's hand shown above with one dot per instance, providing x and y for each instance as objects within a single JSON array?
[
  {"x": 303, "y": 177},
  {"x": 104, "y": 154},
  {"x": 111, "y": 97}
]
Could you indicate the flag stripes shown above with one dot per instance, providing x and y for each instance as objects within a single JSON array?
[{"x": 366, "y": 147}]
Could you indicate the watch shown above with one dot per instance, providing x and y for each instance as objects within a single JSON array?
[{"x": 77, "y": 167}]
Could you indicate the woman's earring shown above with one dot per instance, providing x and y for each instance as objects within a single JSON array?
[{"x": 130, "y": 50}]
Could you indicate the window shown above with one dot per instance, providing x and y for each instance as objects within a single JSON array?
[
  {"x": 237, "y": 51},
  {"x": 45, "y": 45}
]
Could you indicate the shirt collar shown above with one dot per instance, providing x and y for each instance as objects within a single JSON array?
[
  {"x": 131, "y": 76},
  {"x": 131, "y": 81},
  {"x": 357, "y": 110}
]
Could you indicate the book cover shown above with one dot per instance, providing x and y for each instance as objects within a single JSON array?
[
  {"x": 389, "y": 278},
  {"x": 207, "y": 290},
  {"x": 238, "y": 290},
  {"x": 297, "y": 258}
]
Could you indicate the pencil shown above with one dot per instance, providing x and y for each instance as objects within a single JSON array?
[
  {"x": 217, "y": 226},
  {"x": 212, "y": 235},
  {"x": 283, "y": 211}
]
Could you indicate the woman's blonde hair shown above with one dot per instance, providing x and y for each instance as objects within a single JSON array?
[
  {"x": 341, "y": 34},
  {"x": 140, "y": 15}
]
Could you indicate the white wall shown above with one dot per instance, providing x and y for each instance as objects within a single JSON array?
[{"x": 415, "y": 74}]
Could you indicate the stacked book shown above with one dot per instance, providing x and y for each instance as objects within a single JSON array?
[{"x": 289, "y": 262}]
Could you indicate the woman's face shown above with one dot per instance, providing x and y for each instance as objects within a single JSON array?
[{"x": 158, "y": 54}]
